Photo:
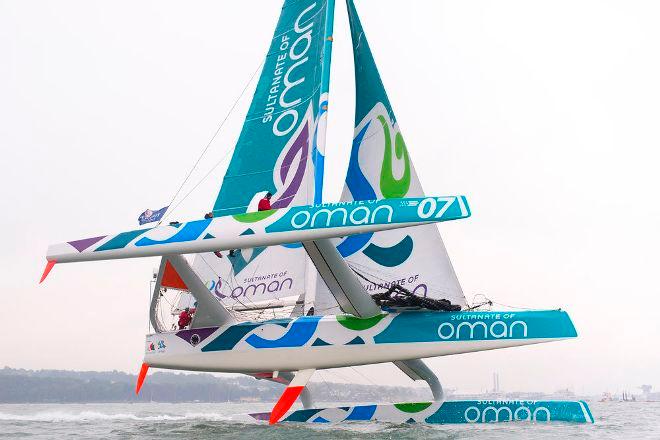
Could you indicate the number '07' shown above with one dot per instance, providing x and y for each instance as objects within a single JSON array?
[{"x": 434, "y": 207}]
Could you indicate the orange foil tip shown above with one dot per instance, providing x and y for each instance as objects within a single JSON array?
[
  {"x": 284, "y": 404},
  {"x": 141, "y": 376},
  {"x": 49, "y": 267}
]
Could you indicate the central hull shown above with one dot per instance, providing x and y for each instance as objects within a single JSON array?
[{"x": 318, "y": 342}]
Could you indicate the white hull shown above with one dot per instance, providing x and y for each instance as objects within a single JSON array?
[
  {"x": 332, "y": 341},
  {"x": 294, "y": 359}
]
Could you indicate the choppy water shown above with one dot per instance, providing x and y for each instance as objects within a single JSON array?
[{"x": 214, "y": 421}]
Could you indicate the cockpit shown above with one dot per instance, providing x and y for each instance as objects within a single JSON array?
[{"x": 208, "y": 302}]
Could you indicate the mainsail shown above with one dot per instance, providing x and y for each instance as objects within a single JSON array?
[
  {"x": 280, "y": 150},
  {"x": 277, "y": 147},
  {"x": 380, "y": 167}
]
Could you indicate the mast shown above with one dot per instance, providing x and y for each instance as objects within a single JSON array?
[
  {"x": 318, "y": 153},
  {"x": 321, "y": 128}
]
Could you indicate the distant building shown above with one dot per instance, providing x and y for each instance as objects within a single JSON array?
[{"x": 496, "y": 383}]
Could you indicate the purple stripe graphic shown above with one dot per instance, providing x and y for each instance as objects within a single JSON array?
[
  {"x": 202, "y": 333},
  {"x": 83, "y": 244},
  {"x": 300, "y": 145}
]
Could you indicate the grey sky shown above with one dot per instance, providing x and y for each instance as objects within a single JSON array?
[{"x": 544, "y": 113}]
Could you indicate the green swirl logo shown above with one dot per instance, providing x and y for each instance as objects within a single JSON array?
[{"x": 390, "y": 186}]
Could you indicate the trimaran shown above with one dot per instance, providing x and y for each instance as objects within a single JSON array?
[{"x": 387, "y": 291}]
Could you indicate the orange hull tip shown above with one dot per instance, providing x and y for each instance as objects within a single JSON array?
[{"x": 49, "y": 267}]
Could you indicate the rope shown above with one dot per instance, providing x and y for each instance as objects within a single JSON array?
[
  {"x": 431, "y": 288},
  {"x": 362, "y": 276},
  {"x": 208, "y": 145}
]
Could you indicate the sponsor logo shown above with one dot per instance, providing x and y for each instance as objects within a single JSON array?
[
  {"x": 215, "y": 286},
  {"x": 256, "y": 285},
  {"x": 481, "y": 330},
  {"x": 419, "y": 289},
  {"x": 491, "y": 413},
  {"x": 160, "y": 345},
  {"x": 261, "y": 288},
  {"x": 293, "y": 49},
  {"x": 337, "y": 216}
]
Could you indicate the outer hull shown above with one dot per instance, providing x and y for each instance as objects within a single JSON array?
[
  {"x": 264, "y": 228},
  {"x": 453, "y": 411},
  {"x": 336, "y": 341}
]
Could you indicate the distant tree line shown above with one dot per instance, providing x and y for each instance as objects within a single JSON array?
[{"x": 59, "y": 386}]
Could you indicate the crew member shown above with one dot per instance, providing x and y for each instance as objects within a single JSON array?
[
  {"x": 185, "y": 317},
  {"x": 264, "y": 204}
]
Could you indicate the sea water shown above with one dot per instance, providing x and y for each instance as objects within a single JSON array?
[{"x": 183, "y": 421}]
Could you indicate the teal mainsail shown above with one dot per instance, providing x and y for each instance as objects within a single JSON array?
[
  {"x": 280, "y": 148},
  {"x": 380, "y": 167}
]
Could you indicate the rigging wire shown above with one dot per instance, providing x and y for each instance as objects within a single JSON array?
[
  {"x": 217, "y": 164},
  {"x": 478, "y": 301},
  {"x": 364, "y": 376},
  {"x": 513, "y": 307},
  {"x": 330, "y": 393},
  {"x": 221, "y": 278},
  {"x": 208, "y": 145},
  {"x": 251, "y": 315}
]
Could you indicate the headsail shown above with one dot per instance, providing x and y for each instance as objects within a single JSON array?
[
  {"x": 380, "y": 167},
  {"x": 280, "y": 150}
]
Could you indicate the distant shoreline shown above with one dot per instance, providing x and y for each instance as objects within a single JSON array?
[
  {"x": 62, "y": 386},
  {"x": 21, "y": 386}
]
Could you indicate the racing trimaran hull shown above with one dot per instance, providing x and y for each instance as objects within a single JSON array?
[
  {"x": 319, "y": 342},
  {"x": 332, "y": 341},
  {"x": 281, "y": 150}
]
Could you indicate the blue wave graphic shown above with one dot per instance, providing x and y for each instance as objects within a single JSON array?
[
  {"x": 297, "y": 335},
  {"x": 360, "y": 189},
  {"x": 390, "y": 256}
]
